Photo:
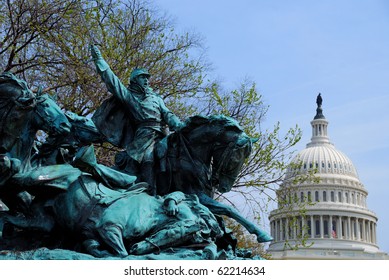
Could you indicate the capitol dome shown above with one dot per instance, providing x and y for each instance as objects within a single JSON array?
[
  {"x": 321, "y": 156},
  {"x": 328, "y": 213}
]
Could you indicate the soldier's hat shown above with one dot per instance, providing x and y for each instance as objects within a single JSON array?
[{"x": 139, "y": 71}]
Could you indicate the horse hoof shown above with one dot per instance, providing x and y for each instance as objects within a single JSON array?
[{"x": 264, "y": 237}]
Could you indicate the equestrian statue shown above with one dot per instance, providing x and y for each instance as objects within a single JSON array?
[{"x": 158, "y": 196}]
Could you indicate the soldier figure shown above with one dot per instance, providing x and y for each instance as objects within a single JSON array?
[{"x": 133, "y": 118}]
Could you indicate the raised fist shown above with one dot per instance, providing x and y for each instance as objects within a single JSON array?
[{"x": 96, "y": 54}]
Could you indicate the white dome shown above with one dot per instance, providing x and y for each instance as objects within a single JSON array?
[
  {"x": 322, "y": 156},
  {"x": 326, "y": 160}
]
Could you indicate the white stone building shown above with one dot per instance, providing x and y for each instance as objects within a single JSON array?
[{"x": 337, "y": 222}]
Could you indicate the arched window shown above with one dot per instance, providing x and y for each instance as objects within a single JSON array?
[
  {"x": 302, "y": 197},
  {"x": 324, "y": 196},
  {"x": 332, "y": 196},
  {"x": 309, "y": 197},
  {"x": 340, "y": 197},
  {"x": 316, "y": 196},
  {"x": 347, "y": 200}
]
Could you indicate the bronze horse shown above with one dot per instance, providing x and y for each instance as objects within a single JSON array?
[
  {"x": 22, "y": 114},
  {"x": 206, "y": 155}
]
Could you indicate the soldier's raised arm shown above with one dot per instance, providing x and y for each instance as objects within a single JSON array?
[{"x": 113, "y": 83}]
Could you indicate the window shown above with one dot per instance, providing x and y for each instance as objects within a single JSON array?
[
  {"x": 325, "y": 227},
  {"x": 309, "y": 197},
  {"x": 347, "y": 200},
  {"x": 317, "y": 228},
  {"x": 316, "y": 196},
  {"x": 332, "y": 196},
  {"x": 340, "y": 196},
  {"x": 324, "y": 196},
  {"x": 302, "y": 197}
]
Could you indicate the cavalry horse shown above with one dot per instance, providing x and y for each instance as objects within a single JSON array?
[
  {"x": 22, "y": 114},
  {"x": 204, "y": 156}
]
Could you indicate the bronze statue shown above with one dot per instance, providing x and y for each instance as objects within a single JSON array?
[
  {"x": 319, "y": 100},
  {"x": 59, "y": 188}
]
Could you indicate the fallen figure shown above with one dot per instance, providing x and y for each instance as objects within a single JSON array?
[{"x": 122, "y": 222}]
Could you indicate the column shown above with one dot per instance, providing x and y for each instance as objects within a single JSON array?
[
  {"x": 364, "y": 230},
  {"x": 368, "y": 231},
  {"x": 321, "y": 227},
  {"x": 303, "y": 226},
  {"x": 276, "y": 230},
  {"x": 281, "y": 230},
  {"x": 312, "y": 228},
  {"x": 340, "y": 229},
  {"x": 358, "y": 229},
  {"x": 349, "y": 228},
  {"x": 330, "y": 227},
  {"x": 287, "y": 229},
  {"x": 296, "y": 224}
]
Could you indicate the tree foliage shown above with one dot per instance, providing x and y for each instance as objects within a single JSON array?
[{"x": 47, "y": 43}]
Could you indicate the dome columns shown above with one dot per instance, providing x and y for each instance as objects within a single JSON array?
[{"x": 324, "y": 226}]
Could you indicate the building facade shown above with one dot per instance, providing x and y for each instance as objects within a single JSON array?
[{"x": 336, "y": 222}]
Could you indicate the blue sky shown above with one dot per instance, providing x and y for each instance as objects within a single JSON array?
[{"x": 295, "y": 49}]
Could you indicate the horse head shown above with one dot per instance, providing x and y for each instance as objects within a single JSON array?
[
  {"x": 21, "y": 104},
  {"x": 220, "y": 142},
  {"x": 49, "y": 116},
  {"x": 228, "y": 158}
]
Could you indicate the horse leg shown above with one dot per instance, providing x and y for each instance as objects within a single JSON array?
[
  {"x": 222, "y": 209},
  {"x": 177, "y": 234},
  {"x": 40, "y": 221},
  {"x": 92, "y": 246},
  {"x": 112, "y": 235}
]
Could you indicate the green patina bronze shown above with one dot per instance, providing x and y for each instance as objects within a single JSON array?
[
  {"x": 158, "y": 197},
  {"x": 133, "y": 118}
]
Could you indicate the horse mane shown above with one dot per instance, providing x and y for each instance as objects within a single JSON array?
[
  {"x": 218, "y": 120},
  {"x": 9, "y": 78}
]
